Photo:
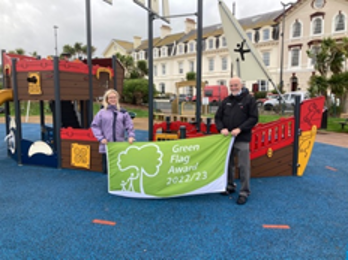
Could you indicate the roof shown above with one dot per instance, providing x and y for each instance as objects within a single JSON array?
[
  {"x": 255, "y": 21},
  {"x": 260, "y": 20},
  {"x": 128, "y": 46},
  {"x": 212, "y": 30},
  {"x": 144, "y": 44},
  {"x": 169, "y": 39}
]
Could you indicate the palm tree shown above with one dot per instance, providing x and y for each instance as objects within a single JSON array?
[
  {"x": 128, "y": 63},
  {"x": 329, "y": 63},
  {"x": 69, "y": 49},
  {"x": 78, "y": 49},
  {"x": 84, "y": 50}
]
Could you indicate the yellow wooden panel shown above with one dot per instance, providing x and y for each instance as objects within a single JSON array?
[
  {"x": 80, "y": 155},
  {"x": 165, "y": 137},
  {"x": 34, "y": 83},
  {"x": 306, "y": 142}
]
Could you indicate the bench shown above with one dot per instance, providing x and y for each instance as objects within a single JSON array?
[{"x": 343, "y": 123}]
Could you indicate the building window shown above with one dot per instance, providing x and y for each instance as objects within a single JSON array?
[
  {"x": 163, "y": 69},
  {"x": 296, "y": 29},
  {"x": 211, "y": 43},
  {"x": 224, "y": 43},
  {"x": 155, "y": 53},
  {"x": 266, "y": 58},
  {"x": 265, "y": 35},
  {"x": 257, "y": 36},
  {"x": 162, "y": 88},
  {"x": 164, "y": 52},
  {"x": 313, "y": 54},
  {"x": 190, "y": 91},
  {"x": 211, "y": 64},
  {"x": 319, "y": 4},
  {"x": 192, "y": 66},
  {"x": 317, "y": 25},
  {"x": 339, "y": 22},
  {"x": 224, "y": 63},
  {"x": 263, "y": 85},
  {"x": 155, "y": 70},
  {"x": 180, "y": 49},
  {"x": 295, "y": 57},
  {"x": 250, "y": 36},
  {"x": 141, "y": 55},
  {"x": 275, "y": 32},
  {"x": 221, "y": 82},
  {"x": 181, "y": 67},
  {"x": 191, "y": 47}
]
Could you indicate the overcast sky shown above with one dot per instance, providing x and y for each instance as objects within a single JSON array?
[{"x": 28, "y": 24}]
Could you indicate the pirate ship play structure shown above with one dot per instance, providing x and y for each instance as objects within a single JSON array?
[
  {"x": 279, "y": 148},
  {"x": 64, "y": 85}
]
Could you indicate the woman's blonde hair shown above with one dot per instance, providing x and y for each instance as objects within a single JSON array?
[{"x": 105, "y": 98}]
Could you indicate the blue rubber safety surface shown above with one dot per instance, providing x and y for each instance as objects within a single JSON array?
[{"x": 48, "y": 213}]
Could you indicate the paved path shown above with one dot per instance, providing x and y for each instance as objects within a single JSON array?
[{"x": 337, "y": 139}]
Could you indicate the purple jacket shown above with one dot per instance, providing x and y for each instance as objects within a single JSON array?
[{"x": 111, "y": 124}]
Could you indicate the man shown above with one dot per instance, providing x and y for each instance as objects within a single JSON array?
[{"x": 237, "y": 115}]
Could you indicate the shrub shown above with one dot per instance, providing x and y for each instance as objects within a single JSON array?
[
  {"x": 191, "y": 75},
  {"x": 136, "y": 91},
  {"x": 260, "y": 94}
]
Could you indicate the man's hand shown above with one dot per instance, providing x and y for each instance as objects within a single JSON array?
[
  {"x": 104, "y": 141},
  {"x": 235, "y": 132},
  {"x": 131, "y": 140},
  {"x": 224, "y": 132}
]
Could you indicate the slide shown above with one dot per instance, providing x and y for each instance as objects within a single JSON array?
[{"x": 5, "y": 95}]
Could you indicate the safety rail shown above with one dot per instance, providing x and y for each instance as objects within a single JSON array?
[{"x": 273, "y": 135}]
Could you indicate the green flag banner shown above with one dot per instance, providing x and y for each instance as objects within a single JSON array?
[{"x": 170, "y": 168}]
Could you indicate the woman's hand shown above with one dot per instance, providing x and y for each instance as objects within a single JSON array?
[
  {"x": 104, "y": 141},
  {"x": 131, "y": 140}
]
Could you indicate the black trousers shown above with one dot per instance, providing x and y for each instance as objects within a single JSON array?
[{"x": 104, "y": 162}]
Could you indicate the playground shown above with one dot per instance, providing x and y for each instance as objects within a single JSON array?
[
  {"x": 56, "y": 201},
  {"x": 67, "y": 214}
]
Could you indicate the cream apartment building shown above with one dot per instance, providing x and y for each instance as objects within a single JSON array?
[{"x": 307, "y": 22}]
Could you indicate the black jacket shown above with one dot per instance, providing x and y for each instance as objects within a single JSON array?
[{"x": 238, "y": 112}]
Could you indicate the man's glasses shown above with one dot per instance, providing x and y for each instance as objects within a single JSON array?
[{"x": 234, "y": 85}]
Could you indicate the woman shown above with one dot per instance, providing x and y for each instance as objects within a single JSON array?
[{"x": 111, "y": 123}]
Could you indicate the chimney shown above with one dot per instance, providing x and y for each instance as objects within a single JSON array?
[
  {"x": 165, "y": 31},
  {"x": 234, "y": 8},
  {"x": 189, "y": 25},
  {"x": 136, "y": 41}
]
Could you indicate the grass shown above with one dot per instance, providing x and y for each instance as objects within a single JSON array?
[
  {"x": 34, "y": 109},
  {"x": 142, "y": 112}
]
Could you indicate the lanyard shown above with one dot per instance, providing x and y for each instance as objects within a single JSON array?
[{"x": 114, "y": 126}]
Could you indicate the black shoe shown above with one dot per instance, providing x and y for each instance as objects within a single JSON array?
[
  {"x": 241, "y": 200},
  {"x": 231, "y": 188}
]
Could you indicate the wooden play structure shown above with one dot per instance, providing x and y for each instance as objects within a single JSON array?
[
  {"x": 278, "y": 148},
  {"x": 64, "y": 85}
]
